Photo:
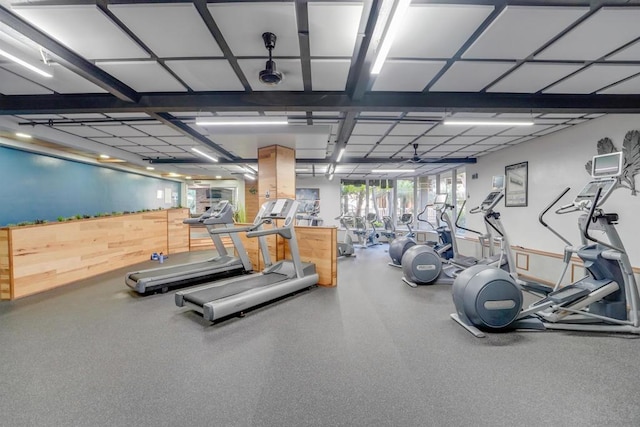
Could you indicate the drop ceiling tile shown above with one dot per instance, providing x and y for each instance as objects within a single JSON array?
[
  {"x": 13, "y": 84},
  {"x": 603, "y": 32},
  {"x": 482, "y": 131},
  {"x": 39, "y": 116},
  {"x": 119, "y": 130},
  {"x": 83, "y": 28},
  {"x": 627, "y": 87},
  {"x": 371, "y": 128},
  {"x": 464, "y": 140},
  {"x": 411, "y": 129},
  {"x": 629, "y": 53},
  {"x": 179, "y": 140},
  {"x": 518, "y": 115},
  {"x": 112, "y": 141},
  {"x": 397, "y": 140},
  {"x": 147, "y": 76},
  {"x": 432, "y": 26},
  {"x": 329, "y": 74},
  {"x": 521, "y": 30},
  {"x": 166, "y": 148},
  {"x": 158, "y": 130},
  {"x": 146, "y": 140},
  {"x": 169, "y": 30},
  {"x": 437, "y": 115},
  {"x": 552, "y": 129},
  {"x": 139, "y": 150},
  {"x": 63, "y": 81},
  {"x": 364, "y": 139},
  {"x": 406, "y": 75},
  {"x": 81, "y": 130},
  {"x": 333, "y": 28},
  {"x": 291, "y": 70},
  {"x": 523, "y": 139},
  {"x": 497, "y": 140},
  {"x": 206, "y": 74},
  {"x": 428, "y": 141},
  {"x": 381, "y": 114},
  {"x": 593, "y": 78},
  {"x": 242, "y": 25},
  {"x": 80, "y": 116},
  {"x": 525, "y": 130},
  {"x": 466, "y": 76},
  {"x": 131, "y": 115},
  {"x": 310, "y": 154},
  {"x": 358, "y": 149},
  {"x": 532, "y": 77},
  {"x": 448, "y": 130}
]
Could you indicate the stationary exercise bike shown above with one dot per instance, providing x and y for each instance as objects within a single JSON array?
[
  {"x": 345, "y": 247},
  {"x": 606, "y": 300}
]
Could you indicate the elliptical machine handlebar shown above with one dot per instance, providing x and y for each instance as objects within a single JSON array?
[
  {"x": 592, "y": 218},
  {"x": 558, "y": 211},
  {"x": 458, "y": 226}
]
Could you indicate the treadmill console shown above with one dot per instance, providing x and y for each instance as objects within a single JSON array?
[{"x": 217, "y": 209}]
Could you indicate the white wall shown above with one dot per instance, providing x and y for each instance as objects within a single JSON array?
[
  {"x": 329, "y": 197},
  {"x": 557, "y": 161}
]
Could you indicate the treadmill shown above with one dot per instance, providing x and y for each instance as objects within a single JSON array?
[
  {"x": 218, "y": 220},
  {"x": 231, "y": 296}
]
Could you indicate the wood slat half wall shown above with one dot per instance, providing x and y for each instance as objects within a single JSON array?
[{"x": 5, "y": 265}]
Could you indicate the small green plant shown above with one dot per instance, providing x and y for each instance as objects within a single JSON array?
[
  {"x": 126, "y": 212},
  {"x": 23, "y": 223},
  {"x": 71, "y": 218},
  {"x": 78, "y": 216},
  {"x": 61, "y": 218},
  {"x": 10, "y": 225}
]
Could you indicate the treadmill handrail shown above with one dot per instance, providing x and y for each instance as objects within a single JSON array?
[
  {"x": 229, "y": 230},
  {"x": 283, "y": 231}
]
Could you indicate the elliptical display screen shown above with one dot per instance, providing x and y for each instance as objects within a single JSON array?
[{"x": 589, "y": 191}]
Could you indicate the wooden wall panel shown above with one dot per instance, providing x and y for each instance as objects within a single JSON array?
[
  {"x": 178, "y": 233},
  {"x": 285, "y": 173},
  {"x": 267, "y": 181},
  {"x": 5, "y": 265},
  {"x": 251, "y": 205},
  {"x": 51, "y": 255}
]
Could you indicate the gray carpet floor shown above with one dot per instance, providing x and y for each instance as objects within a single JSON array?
[{"x": 371, "y": 352}]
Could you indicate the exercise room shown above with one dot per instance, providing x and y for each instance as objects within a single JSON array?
[{"x": 319, "y": 213}]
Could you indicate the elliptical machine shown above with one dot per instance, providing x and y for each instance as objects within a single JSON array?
[
  {"x": 400, "y": 245},
  {"x": 444, "y": 245},
  {"x": 422, "y": 265},
  {"x": 345, "y": 248},
  {"x": 606, "y": 300}
]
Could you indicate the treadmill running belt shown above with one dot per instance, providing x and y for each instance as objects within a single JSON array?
[
  {"x": 203, "y": 296},
  {"x": 178, "y": 269}
]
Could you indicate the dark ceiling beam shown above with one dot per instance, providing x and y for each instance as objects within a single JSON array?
[
  {"x": 174, "y": 123},
  {"x": 324, "y": 101},
  {"x": 302, "y": 16},
  {"x": 359, "y": 161},
  {"x": 70, "y": 59}
]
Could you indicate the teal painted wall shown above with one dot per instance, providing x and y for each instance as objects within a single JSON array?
[{"x": 35, "y": 186}]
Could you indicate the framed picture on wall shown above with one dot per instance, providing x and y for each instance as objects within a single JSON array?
[
  {"x": 516, "y": 186},
  {"x": 309, "y": 199}
]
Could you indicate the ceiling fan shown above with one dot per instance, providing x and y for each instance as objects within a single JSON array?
[{"x": 416, "y": 158}]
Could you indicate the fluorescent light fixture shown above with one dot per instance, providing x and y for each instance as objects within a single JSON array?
[
  {"x": 204, "y": 154},
  {"x": 487, "y": 122},
  {"x": 218, "y": 176},
  {"x": 150, "y": 168},
  {"x": 331, "y": 177},
  {"x": 340, "y": 154},
  {"x": 104, "y": 156},
  {"x": 23, "y": 135},
  {"x": 241, "y": 121},
  {"x": 398, "y": 13},
  {"x": 173, "y": 174},
  {"x": 25, "y": 64},
  {"x": 187, "y": 177},
  {"x": 249, "y": 176},
  {"x": 393, "y": 170}
]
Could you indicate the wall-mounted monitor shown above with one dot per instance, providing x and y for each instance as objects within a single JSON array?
[{"x": 607, "y": 165}]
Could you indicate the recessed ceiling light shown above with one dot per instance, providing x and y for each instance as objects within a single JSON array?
[
  {"x": 150, "y": 168},
  {"x": 104, "y": 156},
  {"x": 187, "y": 177},
  {"x": 23, "y": 135},
  {"x": 218, "y": 176}
]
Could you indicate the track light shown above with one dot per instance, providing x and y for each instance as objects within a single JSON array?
[
  {"x": 23, "y": 135},
  {"x": 398, "y": 13},
  {"x": 204, "y": 154},
  {"x": 340, "y": 154}
]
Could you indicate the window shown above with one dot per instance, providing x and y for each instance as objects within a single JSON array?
[
  {"x": 426, "y": 196},
  {"x": 461, "y": 194},
  {"x": 404, "y": 201},
  {"x": 380, "y": 198},
  {"x": 353, "y": 197}
]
